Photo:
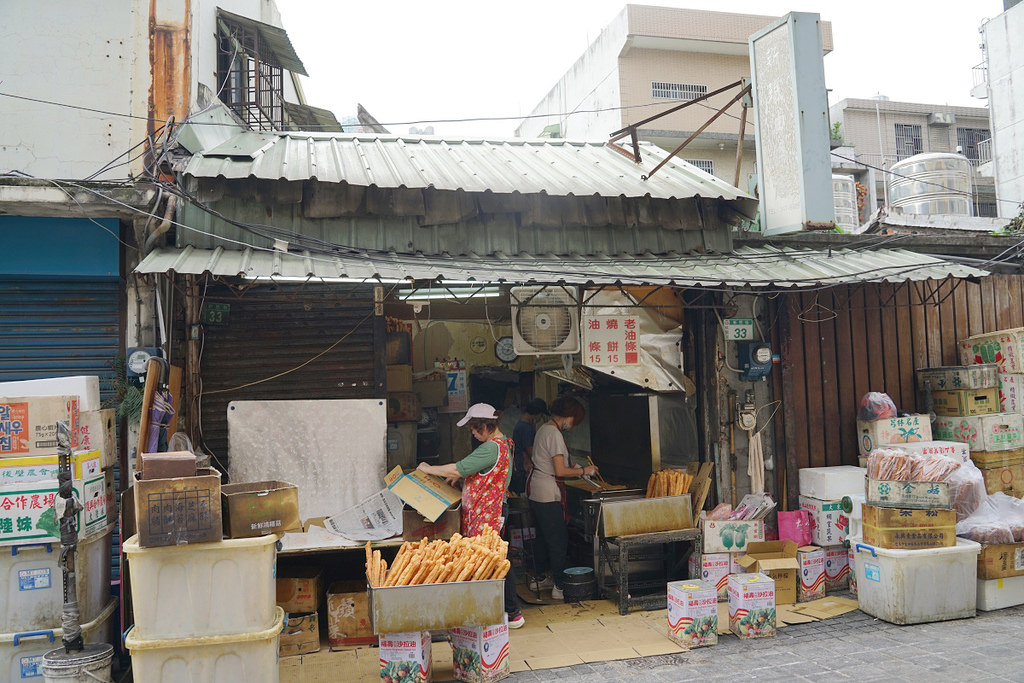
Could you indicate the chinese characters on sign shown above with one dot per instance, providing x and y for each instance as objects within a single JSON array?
[{"x": 611, "y": 340}]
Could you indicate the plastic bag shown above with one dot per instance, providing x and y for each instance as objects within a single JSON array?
[
  {"x": 891, "y": 464},
  {"x": 966, "y": 490},
  {"x": 985, "y": 525},
  {"x": 876, "y": 406},
  {"x": 796, "y": 525},
  {"x": 721, "y": 511},
  {"x": 932, "y": 468},
  {"x": 1011, "y": 511}
]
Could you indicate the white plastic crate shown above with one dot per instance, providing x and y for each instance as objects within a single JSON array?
[
  {"x": 32, "y": 585},
  {"x": 202, "y": 589},
  {"x": 21, "y": 653},
  {"x": 247, "y": 658},
  {"x": 917, "y": 586}
]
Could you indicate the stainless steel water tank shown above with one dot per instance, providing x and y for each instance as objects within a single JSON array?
[
  {"x": 844, "y": 199},
  {"x": 937, "y": 183}
]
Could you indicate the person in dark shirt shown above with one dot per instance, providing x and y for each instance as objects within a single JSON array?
[{"x": 522, "y": 442}]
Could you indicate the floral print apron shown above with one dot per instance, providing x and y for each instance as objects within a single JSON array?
[{"x": 484, "y": 493}]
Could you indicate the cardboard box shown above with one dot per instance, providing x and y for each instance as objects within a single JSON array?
[
  {"x": 966, "y": 402},
  {"x": 778, "y": 560},
  {"x": 21, "y": 470},
  {"x": 27, "y": 516},
  {"x": 28, "y": 424},
  {"x": 433, "y": 393},
  {"x": 989, "y": 458},
  {"x": 958, "y": 377},
  {"x": 259, "y": 508},
  {"x": 415, "y": 526},
  {"x": 811, "y": 584},
  {"x": 406, "y": 657},
  {"x": 1005, "y": 348},
  {"x": 176, "y": 511},
  {"x": 829, "y": 523},
  {"x": 1011, "y": 393},
  {"x": 1000, "y": 561},
  {"x": 480, "y": 654},
  {"x": 908, "y": 529},
  {"x": 712, "y": 568},
  {"x": 999, "y": 432},
  {"x": 752, "y": 605},
  {"x": 348, "y": 615},
  {"x": 401, "y": 445},
  {"x": 403, "y": 407},
  {"x": 837, "y": 568},
  {"x": 923, "y": 495},
  {"x": 98, "y": 431},
  {"x": 1008, "y": 479},
  {"x": 693, "y": 613},
  {"x": 299, "y": 589},
  {"x": 301, "y": 635},
  {"x": 86, "y": 388},
  {"x": 725, "y": 536},
  {"x": 428, "y": 494},
  {"x": 896, "y": 430},
  {"x": 170, "y": 465},
  {"x": 399, "y": 378},
  {"x": 960, "y": 452}
]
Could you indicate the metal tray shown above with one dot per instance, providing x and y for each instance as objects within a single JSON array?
[
  {"x": 429, "y": 606},
  {"x": 630, "y": 516}
]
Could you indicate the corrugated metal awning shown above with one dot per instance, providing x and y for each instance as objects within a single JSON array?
[
  {"x": 557, "y": 168},
  {"x": 748, "y": 266}
]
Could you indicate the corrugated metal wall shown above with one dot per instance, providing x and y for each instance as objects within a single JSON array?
[
  {"x": 837, "y": 344},
  {"x": 327, "y": 338}
]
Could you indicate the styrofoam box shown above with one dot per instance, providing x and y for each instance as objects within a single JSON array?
[
  {"x": 21, "y": 655},
  {"x": 917, "y": 586},
  {"x": 202, "y": 589},
  {"x": 86, "y": 387},
  {"x": 831, "y": 483},
  {"x": 33, "y": 586},
  {"x": 996, "y": 594},
  {"x": 247, "y": 657}
]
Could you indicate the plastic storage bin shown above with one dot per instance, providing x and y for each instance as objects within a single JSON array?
[
  {"x": 32, "y": 586},
  {"x": 202, "y": 589},
  {"x": 1000, "y": 593},
  {"x": 917, "y": 586},
  {"x": 21, "y": 653},
  {"x": 247, "y": 658}
]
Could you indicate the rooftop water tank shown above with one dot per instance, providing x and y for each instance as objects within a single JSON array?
[
  {"x": 844, "y": 199},
  {"x": 937, "y": 183}
]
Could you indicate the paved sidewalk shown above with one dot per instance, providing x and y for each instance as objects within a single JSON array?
[{"x": 853, "y": 646}]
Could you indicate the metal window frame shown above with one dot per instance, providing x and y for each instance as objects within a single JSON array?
[
  {"x": 970, "y": 140},
  {"x": 252, "y": 86},
  {"x": 706, "y": 165},
  {"x": 908, "y": 135}
]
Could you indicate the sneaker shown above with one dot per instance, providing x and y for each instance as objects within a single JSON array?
[
  {"x": 556, "y": 593},
  {"x": 544, "y": 584},
  {"x": 516, "y": 622}
]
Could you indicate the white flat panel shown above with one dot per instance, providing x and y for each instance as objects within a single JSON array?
[{"x": 333, "y": 450}]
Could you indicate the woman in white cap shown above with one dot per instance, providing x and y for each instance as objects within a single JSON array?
[{"x": 487, "y": 472}]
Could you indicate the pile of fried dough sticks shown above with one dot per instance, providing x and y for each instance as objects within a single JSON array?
[
  {"x": 668, "y": 483},
  {"x": 460, "y": 559}
]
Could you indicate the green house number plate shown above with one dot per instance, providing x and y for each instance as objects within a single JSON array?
[{"x": 215, "y": 314}]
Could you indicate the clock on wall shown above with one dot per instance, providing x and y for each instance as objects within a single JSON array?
[{"x": 504, "y": 350}]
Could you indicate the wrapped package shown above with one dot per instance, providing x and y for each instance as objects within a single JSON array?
[
  {"x": 889, "y": 464},
  {"x": 966, "y": 490},
  {"x": 985, "y": 525},
  {"x": 932, "y": 468},
  {"x": 876, "y": 406}
]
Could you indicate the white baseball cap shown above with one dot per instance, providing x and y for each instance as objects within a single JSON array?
[{"x": 481, "y": 410}]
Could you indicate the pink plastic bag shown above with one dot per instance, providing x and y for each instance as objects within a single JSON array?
[{"x": 795, "y": 525}]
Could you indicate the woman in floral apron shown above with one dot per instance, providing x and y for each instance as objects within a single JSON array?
[{"x": 486, "y": 473}]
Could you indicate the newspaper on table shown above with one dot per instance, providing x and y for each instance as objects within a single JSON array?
[{"x": 375, "y": 518}]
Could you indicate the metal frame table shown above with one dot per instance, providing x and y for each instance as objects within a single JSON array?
[{"x": 620, "y": 566}]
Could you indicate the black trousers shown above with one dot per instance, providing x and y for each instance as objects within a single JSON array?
[
  {"x": 552, "y": 544},
  {"x": 511, "y": 597}
]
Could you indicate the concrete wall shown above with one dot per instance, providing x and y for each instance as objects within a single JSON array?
[{"x": 1006, "y": 99}]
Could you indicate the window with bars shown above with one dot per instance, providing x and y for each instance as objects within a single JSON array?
[
  {"x": 250, "y": 83},
  {"x": 968, "y": 139},
  {"x": 908, "y": 140},
  {"x": 677, "y": 91},
  {"x": 706, "y": 165}
]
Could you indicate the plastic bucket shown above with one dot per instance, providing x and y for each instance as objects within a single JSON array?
[
  {"x": 578, "y": 584},
  {"x": 89, "y": 665}
]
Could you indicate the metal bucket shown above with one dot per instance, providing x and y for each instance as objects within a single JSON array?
[
  {"x": 578, "y": 584},
  {"x": 89, "y": 665}
]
